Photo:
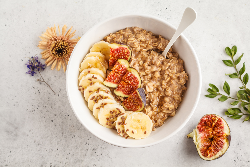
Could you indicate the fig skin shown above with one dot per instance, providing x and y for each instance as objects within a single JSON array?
[
  {"x": 130, "y": 82},
  {"x": 196, "y": 138},
  {"x": 118, "y": 71},
  {"x": 113, "y": 59},
  {"x": 133, "y": 99}
]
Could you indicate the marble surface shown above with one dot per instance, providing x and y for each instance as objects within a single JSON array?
[{"x": 38, "y": 128}]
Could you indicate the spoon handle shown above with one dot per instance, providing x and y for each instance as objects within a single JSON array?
[{"x": 188, "y": 18}]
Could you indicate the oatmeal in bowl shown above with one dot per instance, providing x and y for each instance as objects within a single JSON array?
[
  {"x": 163, "y": 79},
  {"x": 171, "y": 85}
]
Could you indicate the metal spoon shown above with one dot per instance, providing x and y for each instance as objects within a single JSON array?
[{"x": 188, "y": 18}]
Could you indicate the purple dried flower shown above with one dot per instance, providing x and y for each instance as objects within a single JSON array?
[{"x": 33, "y": 65}]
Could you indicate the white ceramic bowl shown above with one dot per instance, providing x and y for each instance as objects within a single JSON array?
[{"x": 157, "y": 26}]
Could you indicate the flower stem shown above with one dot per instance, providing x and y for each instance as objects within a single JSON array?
[{"x": 45, "y": 82}]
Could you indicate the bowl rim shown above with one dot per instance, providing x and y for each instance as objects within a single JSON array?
[{"x": 197, "y": 95}]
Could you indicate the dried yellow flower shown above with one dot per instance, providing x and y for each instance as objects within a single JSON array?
[{"x": 57, "y": 48}]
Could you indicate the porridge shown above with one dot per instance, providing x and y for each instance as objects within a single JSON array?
[{"x": 163, "y": 80}]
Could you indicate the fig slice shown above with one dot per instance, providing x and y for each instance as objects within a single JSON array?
[
  {"x": 211, "y": 137},
  {"x": 129, "y": 83},
  {"x": 133, "y": 102},
  {"x": 118, "y": 51},
  {"x": 118, "y": 71}
]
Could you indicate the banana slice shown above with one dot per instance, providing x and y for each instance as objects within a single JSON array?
[
  {"x": 92, "y": 71},
  {"x": 120, "y": 122},
  {"x": 101, "y": 104},
  {"x": 95, "y": 97},
  {"x": 90, "y": 79},
  {"x": 138, "y": 125},
  {"x": 95, "y": 88},
  {"x": 102, "y": 47},
  {"x": 98, "y": 55},
  {"x": 95, "y": 54},
  {"x": 109, "y": 113},
  {"x": 93, "y": 62}
]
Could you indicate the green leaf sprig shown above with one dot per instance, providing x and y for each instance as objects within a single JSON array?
[{"x": 243, "y": 95}]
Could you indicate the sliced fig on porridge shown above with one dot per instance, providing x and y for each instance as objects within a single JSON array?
[
  {"x": 118, "y": 51},
  {"x": 118, "y": 71},
  {"x": 133, "y": 102},
  {"x": 129, "y": 83}
]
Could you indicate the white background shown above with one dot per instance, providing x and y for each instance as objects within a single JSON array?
[{"x": 38, "y": 128}]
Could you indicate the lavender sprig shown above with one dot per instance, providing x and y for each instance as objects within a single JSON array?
[{"x": 34, "y": 65}]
